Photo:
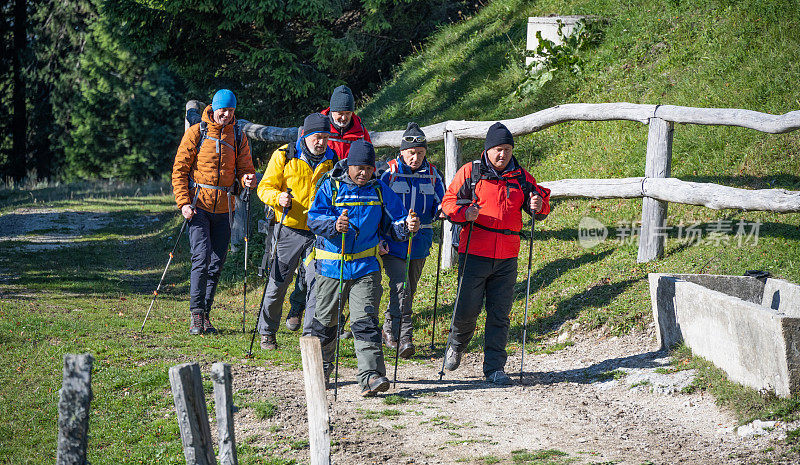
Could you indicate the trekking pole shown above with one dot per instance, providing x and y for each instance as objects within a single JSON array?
[
  {"x": 269, "y": 268},
  {"x": 339, "y": 318},
  {"x": 246, "y": 234},
  {"x": 458, "y": 294},
  {"x": 436, "y": 290},
  {"x": 405, "y": 298},
  {"x": 158, "y": 288},
  {"x": 527, "y": 295}
]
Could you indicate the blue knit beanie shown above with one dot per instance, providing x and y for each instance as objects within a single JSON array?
[
  {"x": 223, "y": 99},
  {"x": 342, "y": 99},
  {"x": 361, "y": 153}
]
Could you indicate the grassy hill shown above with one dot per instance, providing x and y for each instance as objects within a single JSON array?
[{"x": 705, "y": 54}]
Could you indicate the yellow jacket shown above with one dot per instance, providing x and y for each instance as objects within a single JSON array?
[{"x": 296, "y": 174}]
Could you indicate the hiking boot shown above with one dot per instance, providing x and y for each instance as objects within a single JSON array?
[
  {"x": 375, "y": 384},
  {"x": 499, "y": 378},
  {"x": 452, "y": 359},
  {"x": 196, "y": 326},
  {"x": 293, "y": 323},
  {"x": 388, "y": 340},
  {"x": 268, "y": 342},
  {"x": 207, "y": 326},
  {"x": 406, "y": 348}
]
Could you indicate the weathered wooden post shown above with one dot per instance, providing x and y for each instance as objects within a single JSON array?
[
  {"x": 452, "y": 162},
  {"x": 197, "y": 105},
  {"x": 190, "y": 407},
  {"x": 223, "y": 402},
  {"x": 319, "y": 436},
  {"x": 73, "y": 409},
  {"x": 654, "y": 212}
]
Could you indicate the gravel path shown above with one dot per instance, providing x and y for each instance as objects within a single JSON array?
[{"x": 570, "y": 401}]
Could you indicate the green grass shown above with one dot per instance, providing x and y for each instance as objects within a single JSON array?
[
  {"x": 394, "y": 399},
  {"x": 539, "y": 457},
  {"x": 376, "y": 414},
  {"x": 264, "y": 409},
  {"x": 609, "y": 375}
]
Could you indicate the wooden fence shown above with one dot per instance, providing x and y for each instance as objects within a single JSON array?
[
  {"x": 656, "y": 187},
  {"x": 190, "y": 408}
]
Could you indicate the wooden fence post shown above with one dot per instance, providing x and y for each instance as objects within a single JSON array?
[
  {"x": 319, "y": 437},
  {"x": 196, "y": 104},
  {"x": 73, "y": 409},
  {"x": 658, "y": 164},
  {"x": 223, "y": 402},
  {"x": 452, "y": 162},
  {"x": 192, "y": 415}
]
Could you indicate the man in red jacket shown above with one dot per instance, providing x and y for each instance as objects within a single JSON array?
[
  {"x": 488, "y": 196},
  {"x": 346, "y": 126}
]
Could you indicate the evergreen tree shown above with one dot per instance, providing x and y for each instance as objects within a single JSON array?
[
  {"x": 282, "y": 58},
  {"x": 126, "y": 120}
]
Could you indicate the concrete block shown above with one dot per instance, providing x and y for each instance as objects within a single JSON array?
[
  {"x": 548, "y": 26},
  {"x": 724, "y": 319}
]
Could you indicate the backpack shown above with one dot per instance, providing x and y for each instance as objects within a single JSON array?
[
  {"x": 193, "y": 116},
  {"x": 335, "y": 188},
  {"x": 475, "y": 176}
]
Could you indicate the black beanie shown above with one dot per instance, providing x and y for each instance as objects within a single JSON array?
[
  {"x": 413, "y": 133},
  {"x": 316, "y": 122},
  {"x": 498, "y": 134},
  {"x": 342, "y": 99},
  {"x": 361, "y": 153}
]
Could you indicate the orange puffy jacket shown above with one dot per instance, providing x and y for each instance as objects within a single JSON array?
[
  {"x": 340, "y": 142},
  {"x": 502, "y": 199},
  {"x": 214, "y": 164}
]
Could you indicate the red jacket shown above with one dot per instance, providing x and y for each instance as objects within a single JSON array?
[
  {"x": 340, "y": 142},
  {"x": 502, "y": 199}
]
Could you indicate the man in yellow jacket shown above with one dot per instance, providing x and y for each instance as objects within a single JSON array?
[
  {"x": 298, "y": 168},
  {"x": 212, "y": 157}
]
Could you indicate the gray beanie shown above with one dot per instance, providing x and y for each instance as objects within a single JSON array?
[
  {"x": 413, "y": 137},
  {"x": 342, "y": 99}
]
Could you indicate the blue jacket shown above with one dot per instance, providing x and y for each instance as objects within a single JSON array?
[
  {"x": 366, "y": 212},
  {"x": 421, "y": 190}
]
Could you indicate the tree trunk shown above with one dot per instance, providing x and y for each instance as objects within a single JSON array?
[{"x": 19, "y": 123}]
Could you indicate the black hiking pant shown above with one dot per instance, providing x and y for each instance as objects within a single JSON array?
[
  {"x": 209, "y": 236},
  {"x": 489, "y": 280}
]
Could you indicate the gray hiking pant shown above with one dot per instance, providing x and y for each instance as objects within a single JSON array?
[
  {"x": 491, "y": 280},
  {"x": 365, "y": 297},
  {"x": 396, "y": 271},
  {"x": 293, "y": 245}
]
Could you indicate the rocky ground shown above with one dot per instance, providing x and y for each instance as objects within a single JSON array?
[{"x": 602, "y": 401}]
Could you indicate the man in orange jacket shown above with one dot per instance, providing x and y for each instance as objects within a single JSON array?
[
  {"x": 212, "y": 157},
  {"x": 488, "y": 196}
]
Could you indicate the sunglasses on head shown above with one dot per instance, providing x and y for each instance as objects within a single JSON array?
[{"x": 414, "y": 138}]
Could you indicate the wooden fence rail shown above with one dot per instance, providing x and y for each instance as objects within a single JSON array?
[{"x": 657, "y": 188}]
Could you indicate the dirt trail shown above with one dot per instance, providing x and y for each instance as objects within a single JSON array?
[{"x": 566, "y": 403}]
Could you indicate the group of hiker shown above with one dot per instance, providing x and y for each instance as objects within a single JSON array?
[{"x": 341, "y": 219}]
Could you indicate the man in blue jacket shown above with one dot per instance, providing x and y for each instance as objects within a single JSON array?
[
  {"x": 352, "y": 201},
  {"x": 421, "y": 189}
]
